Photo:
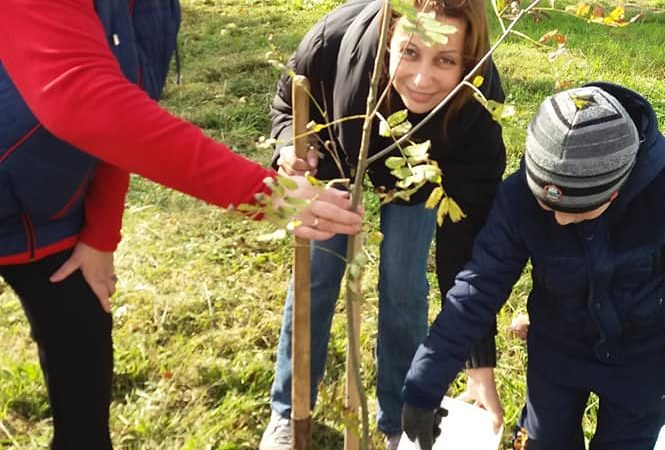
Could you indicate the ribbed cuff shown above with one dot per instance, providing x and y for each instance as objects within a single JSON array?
[{"x": 484, "y": 354}]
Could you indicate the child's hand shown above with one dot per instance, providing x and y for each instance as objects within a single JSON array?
[
  {"x": 519, "y": 326},
  {"x": 481, "y": 389},
  {"x": 97, "y": 269},
  {"x": 290, "y": 164}
]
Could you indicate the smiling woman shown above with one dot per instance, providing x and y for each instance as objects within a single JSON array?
[{"x": 338, "y": 55}]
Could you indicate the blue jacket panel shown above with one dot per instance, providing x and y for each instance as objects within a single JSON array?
[
  {"x": 598, "y": 287},
  {"x": 44, "y": 179}
]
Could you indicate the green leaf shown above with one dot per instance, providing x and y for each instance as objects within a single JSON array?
[
  {"x": 294, "y": 201},
  {"x": 397, "y": 117},
  {"x": 500, "y": 112},
  {"x": 397, "y": 131},
  {"x": 401, "y": 173},
  {"x": 417, "y": 153},
  {"x": 429, "y": 28},
  {"x": 583, "y": 101},
  {"x": 403, "y": 8},
  {"x": 384, "y": 129},
  {"x": 401, "y": 129},
  {"x": 395, "y": 162},
  {"x": 287, "y": 183},
  {"x": 434, "y": 197}
]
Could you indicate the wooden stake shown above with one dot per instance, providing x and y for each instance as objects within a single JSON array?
[{"x": 301, "y": 415}]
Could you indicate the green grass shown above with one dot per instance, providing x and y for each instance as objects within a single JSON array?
[{"x": 198, "y": 308}]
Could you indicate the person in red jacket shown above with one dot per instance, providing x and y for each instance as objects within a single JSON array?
[{"x": 79, "y": 80}]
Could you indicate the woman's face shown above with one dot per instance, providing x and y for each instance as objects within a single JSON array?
[{"x": 425, "y": 75}]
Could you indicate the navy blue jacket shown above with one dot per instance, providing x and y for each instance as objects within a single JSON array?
[
  {"x": 43, "y": 180},
  {"x": 598, "y": 286}
]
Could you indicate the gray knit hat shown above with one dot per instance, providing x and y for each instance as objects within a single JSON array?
[{"x": 580, "y": 148}]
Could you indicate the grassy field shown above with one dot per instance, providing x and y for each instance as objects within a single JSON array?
[{"x": 199, "y": 301}]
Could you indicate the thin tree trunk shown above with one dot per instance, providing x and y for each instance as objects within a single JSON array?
[
  {"x": 356, "y": 198},
  {"x": 352, "y": 399}
]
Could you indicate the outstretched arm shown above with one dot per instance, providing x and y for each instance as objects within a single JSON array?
[{"x": 471, "y": 305}]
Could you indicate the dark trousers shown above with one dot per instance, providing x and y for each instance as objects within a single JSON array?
[
  {"x": 630, "y": 413},
  {"x": 73, "y": 335}
]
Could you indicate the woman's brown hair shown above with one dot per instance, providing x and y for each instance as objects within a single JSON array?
[{"x": 476, "y": 42}]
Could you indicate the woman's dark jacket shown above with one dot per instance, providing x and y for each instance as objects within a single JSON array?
[
  {"x": 598, "y": 286},
  {"x": 337, "y": 55}
]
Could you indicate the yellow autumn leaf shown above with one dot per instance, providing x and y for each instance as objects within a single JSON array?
[
  {"x": 617, "y": 14},
  {"x": 442, "y": 212},
  {"x": 434, "y": 197},
  {"x": 582, "y": 9},
  {"x": 454, "y": 211}
]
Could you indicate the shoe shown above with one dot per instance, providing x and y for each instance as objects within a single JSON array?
[
  {"x": 392, "y": 442},
  {"x": 277, "y": 435}
]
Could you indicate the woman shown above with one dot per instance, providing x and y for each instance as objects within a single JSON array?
[
  {"x": 78, "y": 84},
  {"x": 337, "y": 55}
]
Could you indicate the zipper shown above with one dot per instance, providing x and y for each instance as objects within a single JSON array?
[{"x": 30, "y": 235}]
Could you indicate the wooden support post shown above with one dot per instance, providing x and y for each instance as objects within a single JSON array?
[{"x": 301, "y": 414}]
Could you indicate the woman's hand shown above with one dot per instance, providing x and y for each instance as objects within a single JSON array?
[
  {"x": 481, "y": 388},
  {"x": 290, "y": 164},
  {"x": 327, "y": 214},
  {"x": 97, "y": 269}
]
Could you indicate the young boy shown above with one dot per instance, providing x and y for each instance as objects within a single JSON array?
[{"x": 587, "y": 206}]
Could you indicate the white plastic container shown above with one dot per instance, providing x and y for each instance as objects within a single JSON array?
[{"x": 467, "y": 427}]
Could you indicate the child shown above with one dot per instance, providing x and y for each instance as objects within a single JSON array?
[{"x": 586, "y": 206}]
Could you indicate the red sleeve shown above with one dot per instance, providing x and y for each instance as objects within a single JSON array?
[
  {"x": 57, "y": 55},
  {"x": 104, "y": 205}
]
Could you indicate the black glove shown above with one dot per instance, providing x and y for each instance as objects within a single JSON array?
[{"x": 422, "y": 425}]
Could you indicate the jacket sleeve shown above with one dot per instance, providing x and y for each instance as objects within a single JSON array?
[
  {"x": 104, "y": 206},
  {"x": 471, "y": 178},
  {"x": 57, "y": 55},
  {"x": 471, "y": 305}
]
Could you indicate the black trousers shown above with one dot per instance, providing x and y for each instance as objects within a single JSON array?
[{"x": 73, "y": 335}]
